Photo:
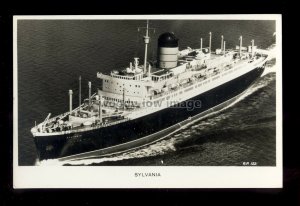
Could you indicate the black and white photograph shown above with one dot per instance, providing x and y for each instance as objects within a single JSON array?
[{"x": 140, "y": 101}]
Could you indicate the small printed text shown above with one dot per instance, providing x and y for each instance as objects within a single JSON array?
[
  {"x": 147, "y": 174},
  {"x": 249, "y": 163}
]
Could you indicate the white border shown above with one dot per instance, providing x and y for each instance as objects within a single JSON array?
[{"x": 171, "y": 177}]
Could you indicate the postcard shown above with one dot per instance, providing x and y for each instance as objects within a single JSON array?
[{"x": 147, "y": 101}]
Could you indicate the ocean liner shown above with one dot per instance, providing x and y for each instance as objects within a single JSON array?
[{"x": 144, "y": 103}]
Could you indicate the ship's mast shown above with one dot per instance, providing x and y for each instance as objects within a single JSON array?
[
  {"x": 222, "y": 44},
  {"x": 90, "y": 86},
  {"x": 100, "y": 106},
  {"x": 124, "y": 98},
  {"x": 146, "y": 40},
  {"x": 252, "y": 48},
  {"x": 79, "y": 93},
  {"x": 209, "y": 42},
  {"x": 241, "y": 44},
  {"x": 70, "y": 100},
  {"x": 201, "y": 42}
]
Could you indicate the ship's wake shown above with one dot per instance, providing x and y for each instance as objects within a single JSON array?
[
  {"x": 169, "y": 144},
  {"x": 156, "y": 149}
]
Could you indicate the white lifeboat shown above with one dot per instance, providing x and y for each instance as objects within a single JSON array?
[{"x": 87, "y": 123}]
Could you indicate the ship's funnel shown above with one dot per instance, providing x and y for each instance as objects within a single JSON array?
[{"x": 167, "y": 51}]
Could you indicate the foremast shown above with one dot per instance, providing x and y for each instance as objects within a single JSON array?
[{"x": 146, "y": 40}]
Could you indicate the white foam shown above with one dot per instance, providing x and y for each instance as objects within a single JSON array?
[{"x": 49, "y": 162}]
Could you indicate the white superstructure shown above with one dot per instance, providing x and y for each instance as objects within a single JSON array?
[{"x": 141, "y": 89}]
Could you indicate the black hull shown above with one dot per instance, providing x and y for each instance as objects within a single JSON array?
[{"x": 144, "y": 130}]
